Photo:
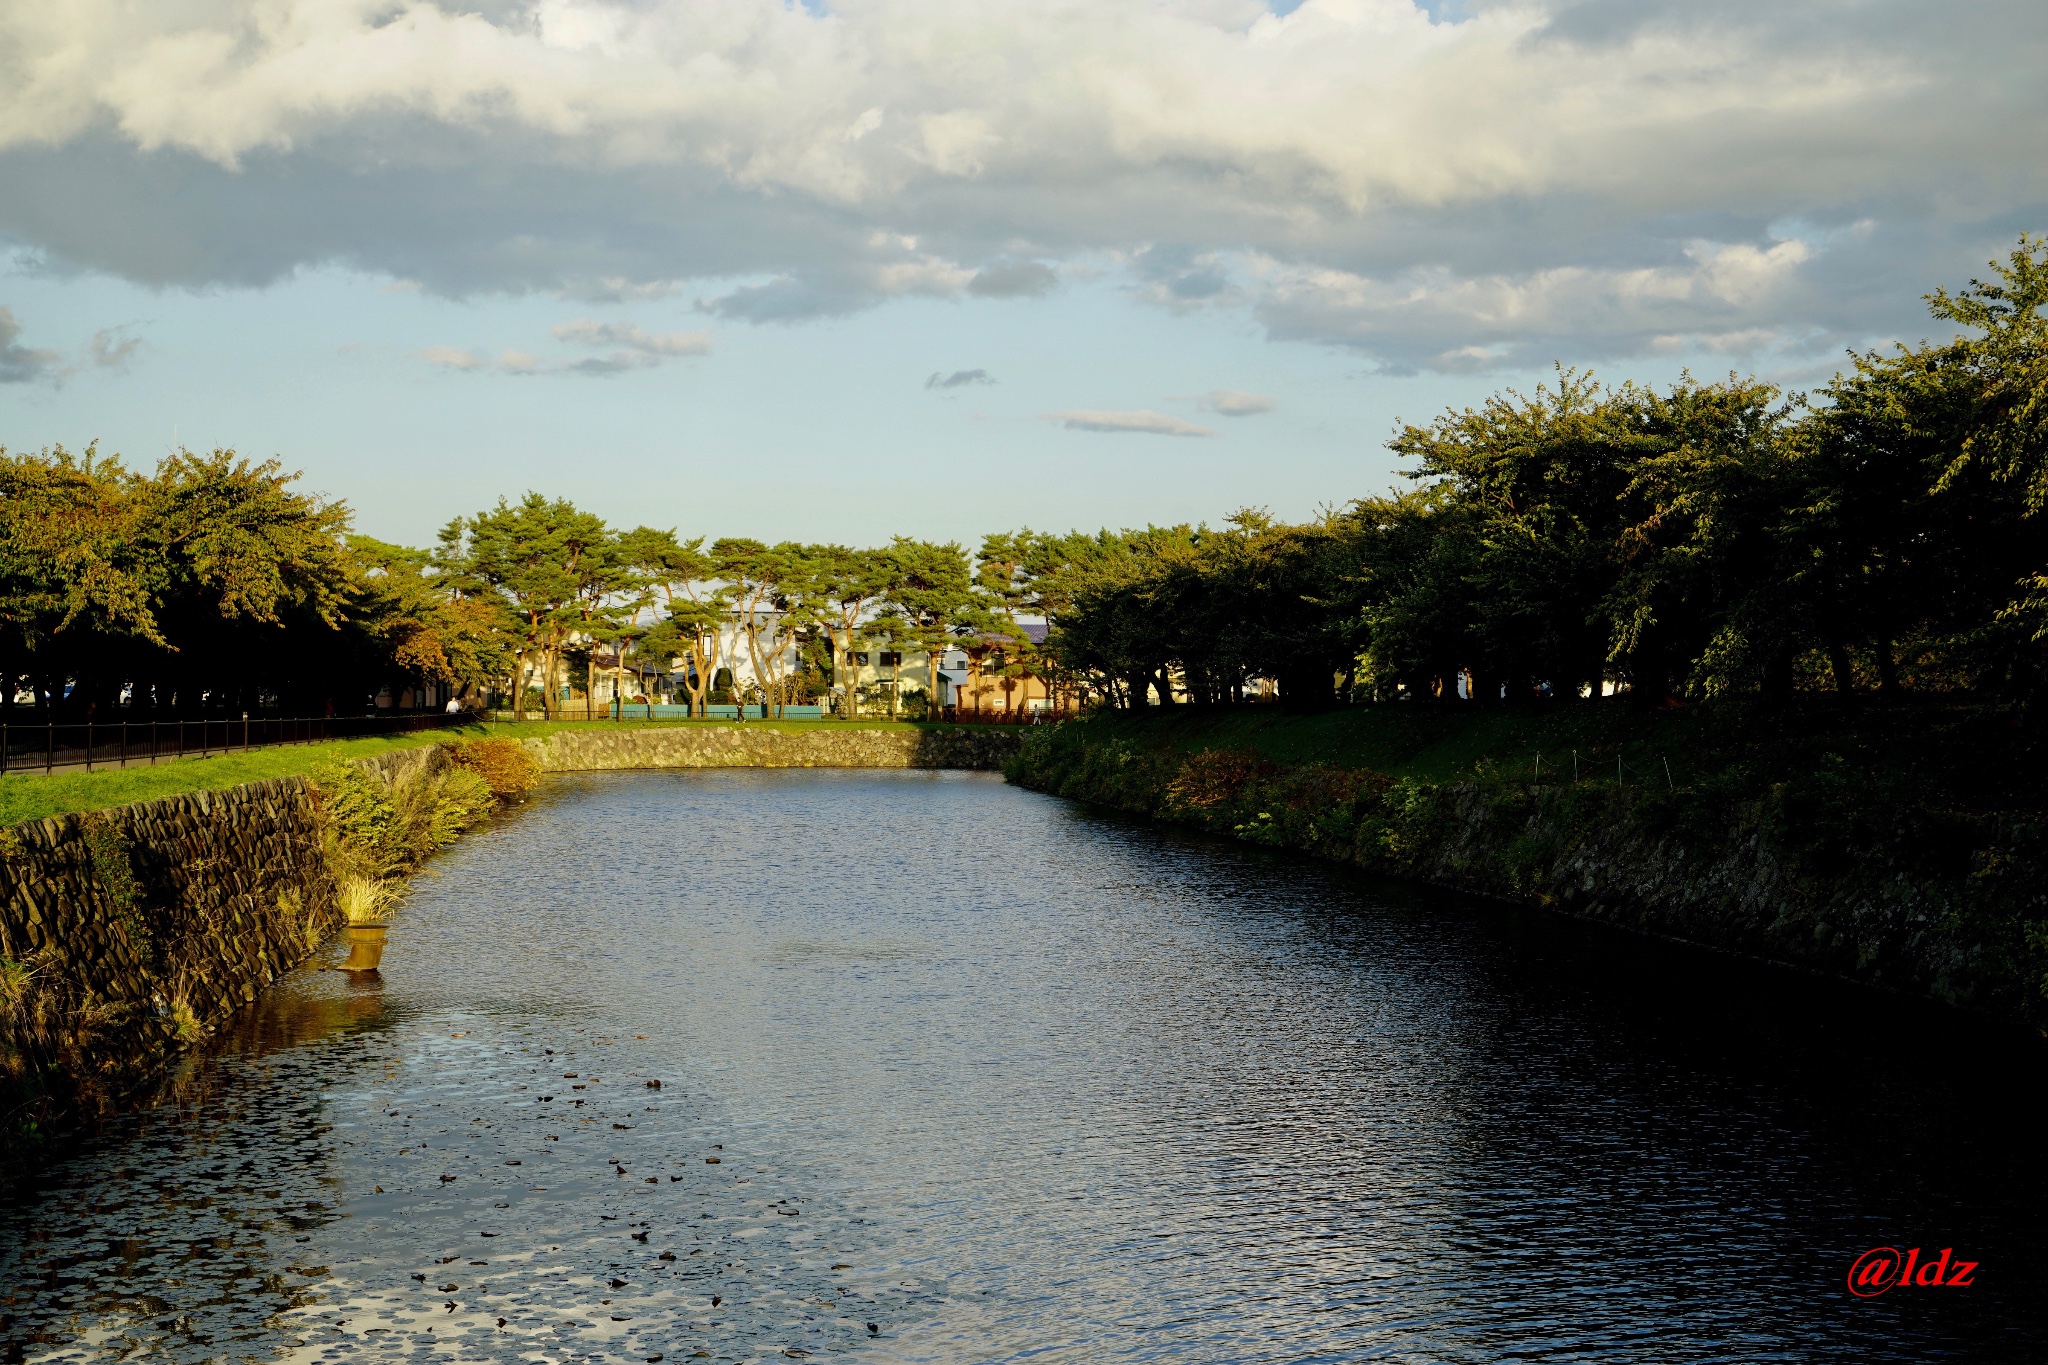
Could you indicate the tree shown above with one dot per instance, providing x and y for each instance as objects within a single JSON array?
[
  {"x": 847, "y": 585},
  {"x": 929, "y": 593},
  {"x": 768, "y": 592},
  {"x": 696, "y": 607},
  {"x": 424, "y": 619},
  {"x": 68, "y": 563},
  {"x": 553, "y": 565}
]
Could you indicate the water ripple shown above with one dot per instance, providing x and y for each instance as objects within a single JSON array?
[{"x": 953, "y": 1072}]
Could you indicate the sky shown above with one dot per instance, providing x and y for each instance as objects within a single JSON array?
[{"x": 837, "y": 271}]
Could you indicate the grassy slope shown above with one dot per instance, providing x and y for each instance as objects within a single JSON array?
[
  {"x": 25, "y": 796},
  {"x": 1955, "y": 755}
]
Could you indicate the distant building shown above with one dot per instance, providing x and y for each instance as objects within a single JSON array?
[{"x": 981, "y": 680}]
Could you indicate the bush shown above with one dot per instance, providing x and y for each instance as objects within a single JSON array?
[
  {"x": 379, "y": 828},
  {"x": 505, "y": 764}
]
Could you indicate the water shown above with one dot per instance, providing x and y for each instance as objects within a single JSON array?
[{"x": 1013, "y": 1080}]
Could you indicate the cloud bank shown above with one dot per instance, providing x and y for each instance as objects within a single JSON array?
[{"x": 1534, "y": 178}]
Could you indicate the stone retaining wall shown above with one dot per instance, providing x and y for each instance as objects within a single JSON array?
[
  {"x": 760, "y": 746},
  {"x": 130, "y": 933}
]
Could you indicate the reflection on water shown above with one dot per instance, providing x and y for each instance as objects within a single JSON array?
[{"x": 918, "y": 1067}]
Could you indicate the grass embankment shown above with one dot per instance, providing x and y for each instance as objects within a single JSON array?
[
  {"x": 33, "y": 796},
  {"x": 1975, "y": 757},
  {"x": 1904, "y": 845}
]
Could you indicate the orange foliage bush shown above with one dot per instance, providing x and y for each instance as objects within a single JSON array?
[
  {"x": 1215, "y": 776},
  {"x": 504, "y": 763}
]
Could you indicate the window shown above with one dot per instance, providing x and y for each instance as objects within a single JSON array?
[
  {"x": 859, "y": 659},
  {"x": 891, "y": 660}
]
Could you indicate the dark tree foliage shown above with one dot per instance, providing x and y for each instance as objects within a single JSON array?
[{"x": 207, "y": 583}]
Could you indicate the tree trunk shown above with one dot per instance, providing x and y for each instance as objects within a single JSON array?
[
  {"x": 1887, "y": 668},
  {"x": 1164, "y": 683},
  {"x": 843, "y": 664}
]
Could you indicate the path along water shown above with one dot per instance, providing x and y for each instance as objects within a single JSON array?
[{"x": 950, "y": 1071}]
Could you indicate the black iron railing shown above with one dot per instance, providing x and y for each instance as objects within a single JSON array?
[{"x": 91, "y": 745}]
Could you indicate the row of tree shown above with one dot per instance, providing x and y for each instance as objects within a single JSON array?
[
  {"x": 564, "y": 588},
  {"x": 212, "y": 585},
  {"x": 1886, "y": 532}
]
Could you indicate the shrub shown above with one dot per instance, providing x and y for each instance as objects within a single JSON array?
[
  {"x": 358, "y": 819},
  {"x": 434, "y": 809},
  {"x": 503, "y": 763},
  {"x": 1215, "y": 776},
  {"x": 364, "y": 901},
  {"x": 378, "y": 828}
]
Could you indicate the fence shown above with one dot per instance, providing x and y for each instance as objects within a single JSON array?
[
  {"x": 643, "y": 710},
  {"x": 118, "y": 744},
  {"x": 970, "y": 717}
]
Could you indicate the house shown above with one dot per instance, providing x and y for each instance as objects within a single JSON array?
[
  {"x": 983, "y": 678},
  {"x": 974, "y": 677}
]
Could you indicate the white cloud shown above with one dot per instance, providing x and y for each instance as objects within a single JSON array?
[
  {"x": 1014, "y": 279},
  {"x": 1530, "y": 176},
  {"x": 627, "y": 347},
  {"x": 1237, "y": 403},
  {"x": 109, "y": 348},
  {"x": 453, "y": 358},
  {"x": 656, "y": 346},
  {"x": 1143, "y": 420}
]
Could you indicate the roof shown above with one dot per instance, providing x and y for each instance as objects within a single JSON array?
[{"x": 1034, "y": 631}]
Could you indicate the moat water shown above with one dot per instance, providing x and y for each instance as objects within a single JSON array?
[{"x": 954, "y": 1072}]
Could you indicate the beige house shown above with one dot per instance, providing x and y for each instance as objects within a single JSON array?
[{"x": 971, "y": 678}]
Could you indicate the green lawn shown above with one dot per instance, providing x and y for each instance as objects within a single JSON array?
[
  {"x": 27, "y": 796},
  {"x": 1429, "y": 743}
]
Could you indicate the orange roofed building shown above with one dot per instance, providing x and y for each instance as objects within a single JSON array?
[{"x": 978, "y": 683}]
